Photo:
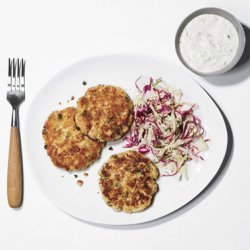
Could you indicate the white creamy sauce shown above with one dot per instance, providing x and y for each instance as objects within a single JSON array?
[{"x": 208, "y": 43}]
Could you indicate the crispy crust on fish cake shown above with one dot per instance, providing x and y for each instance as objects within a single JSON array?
[
  {"x": 128, "y": 182},
  {"x": 105, "y": 113},
  {"x": 67, "y": 147}
]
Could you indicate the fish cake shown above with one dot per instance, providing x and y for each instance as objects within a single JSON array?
[
  {"x": 105, "y": 113},
  {"x": 67, "y": 147},
  {"x": 128, "y": 182}
]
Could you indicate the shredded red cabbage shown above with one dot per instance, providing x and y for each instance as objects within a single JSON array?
[{"x": 166, "y": 127}]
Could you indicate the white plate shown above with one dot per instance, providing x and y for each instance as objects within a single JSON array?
[{"x": 85, "y": 202}]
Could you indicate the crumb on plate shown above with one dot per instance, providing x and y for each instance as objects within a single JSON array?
[{"x": 79, "y": 183}]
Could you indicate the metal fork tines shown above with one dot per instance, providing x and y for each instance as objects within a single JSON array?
[
  {"x": 15, "y": 96},
  {"x": 16, "y": 86}
]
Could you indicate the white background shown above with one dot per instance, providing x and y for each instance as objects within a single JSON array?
[{"x": 51, "y": 35}]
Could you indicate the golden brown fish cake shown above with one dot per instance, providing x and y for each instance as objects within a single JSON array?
[
  {"x": 67, "y": 147},
  {"x": 128, "y": 182},
  {"x": 104, "y": 113}
]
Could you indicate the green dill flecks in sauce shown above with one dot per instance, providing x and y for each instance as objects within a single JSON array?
[
  {"x": 75, "y": 175},
  {"x": 84, "y": 83}
]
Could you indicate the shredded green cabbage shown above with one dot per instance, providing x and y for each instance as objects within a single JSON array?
[{"x": 166, "y": 127}]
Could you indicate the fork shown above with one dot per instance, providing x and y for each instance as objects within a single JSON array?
[{"x": 15, "y": 96}]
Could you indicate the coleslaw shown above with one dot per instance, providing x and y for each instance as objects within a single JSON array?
[{"x": 166, "y": 127}]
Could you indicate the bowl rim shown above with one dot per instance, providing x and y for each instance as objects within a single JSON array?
[{"x": 220, "y": 12}]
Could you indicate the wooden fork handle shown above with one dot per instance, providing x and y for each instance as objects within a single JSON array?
[{"x": 15, "y": 175}]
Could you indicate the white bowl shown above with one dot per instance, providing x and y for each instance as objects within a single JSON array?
[{"x": 230, "y": 18}]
